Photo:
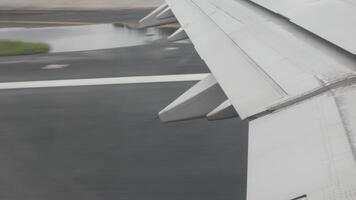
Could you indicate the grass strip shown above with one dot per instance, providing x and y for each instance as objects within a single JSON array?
[{"x": 15, "y": 48}]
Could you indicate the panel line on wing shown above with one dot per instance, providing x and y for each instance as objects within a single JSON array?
[
  {"x": 257, "y": 67},
  {"x": 326, "y": 87}
]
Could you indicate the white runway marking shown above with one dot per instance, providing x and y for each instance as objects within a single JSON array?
[
  {"x": 171, "y": 48},
  {"x": 55, "y": 66},
  {"x": 101, "y": 81}
]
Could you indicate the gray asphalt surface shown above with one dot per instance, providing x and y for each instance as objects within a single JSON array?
[
  {"x": 106, "y": 142},
  {"x": 145, "y": 60}
]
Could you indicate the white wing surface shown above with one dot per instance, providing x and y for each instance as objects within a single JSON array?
[
  {"x": 305, "y": 150},
  {"x": 287, "y": 66},
  {"x": 333, "y": 20}
]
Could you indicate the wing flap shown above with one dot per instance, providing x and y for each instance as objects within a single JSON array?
[
  {"x": 159, "y": 16},
  {"x": 302, "y": 150},
  {"x": 178, "y": 35},
  {"x": 197, "y": 102},
  {"x": 222, "y": 55},
  {"x": 224, "y": 111}
]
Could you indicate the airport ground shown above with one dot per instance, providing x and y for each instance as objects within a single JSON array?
[
  {"x": 40, "y": 18},
  {"x": 106, "y": 142}
]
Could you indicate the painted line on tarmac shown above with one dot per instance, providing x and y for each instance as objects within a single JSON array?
[
  {"x": 55, "y": 66},
  {"x": 102, "y": 81},
  {"x": 43, "y": 22}
]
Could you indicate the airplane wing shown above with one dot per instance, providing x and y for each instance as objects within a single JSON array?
[{"x": 288, "y": 67}]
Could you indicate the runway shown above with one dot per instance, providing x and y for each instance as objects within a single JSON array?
[
  {"x": 39, "y": 18},
  {"x": 106, "y": 142}
]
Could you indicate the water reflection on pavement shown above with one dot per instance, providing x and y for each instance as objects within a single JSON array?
[{"x": 85, "y": 37}]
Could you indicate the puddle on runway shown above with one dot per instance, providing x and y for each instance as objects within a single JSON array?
[{"x": 86, "y": 37}]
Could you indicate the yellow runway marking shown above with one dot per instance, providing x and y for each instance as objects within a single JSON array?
[{"x": 43, "y": 22}]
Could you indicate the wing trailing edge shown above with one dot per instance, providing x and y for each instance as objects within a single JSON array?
[
  {"x": 178, "y": 35},
  {"x": 224, "y": 111},
  {"x": 160, "y": 16},
  {"x": 197, "y": 102},
  {"x": 166, "y": 13},
  {"x": 206, "y": 99}
]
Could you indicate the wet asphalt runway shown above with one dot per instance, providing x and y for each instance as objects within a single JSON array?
[
  {"x": 154, "y": 59},
  {"x": 109, "y": 16},
  {"x": 106, "y": 142}
]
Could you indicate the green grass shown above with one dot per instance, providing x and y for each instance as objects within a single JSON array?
[{"x": 15, "y": 48}]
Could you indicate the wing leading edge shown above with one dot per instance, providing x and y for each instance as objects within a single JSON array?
[{"x": 296, "y": 90}]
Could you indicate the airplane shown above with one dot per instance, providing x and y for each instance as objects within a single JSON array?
[{"x": 288, "y": 68}]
